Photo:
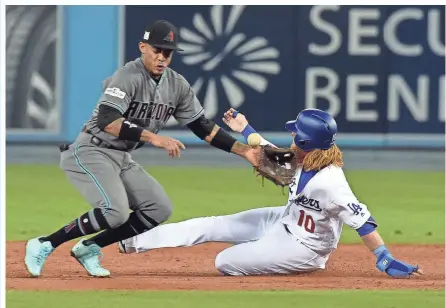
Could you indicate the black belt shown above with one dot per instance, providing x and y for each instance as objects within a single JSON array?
[
  {"x": 100, "y": 143},
  {"x": 103, "y": 144},
  {"x": 93, "y": 140}
]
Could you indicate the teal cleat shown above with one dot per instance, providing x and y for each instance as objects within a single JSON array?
[
  {"x": 36, "y": 255},
  {"x": 88, "y": 257}
]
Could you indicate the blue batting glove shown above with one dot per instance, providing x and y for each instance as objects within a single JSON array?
[{"x": 386, "y": 263}]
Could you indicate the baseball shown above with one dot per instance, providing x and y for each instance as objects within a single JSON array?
[{"x": 254, "y": 140}]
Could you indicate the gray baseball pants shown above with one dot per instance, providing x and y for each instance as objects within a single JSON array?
[{"x": 110, "y": 180}]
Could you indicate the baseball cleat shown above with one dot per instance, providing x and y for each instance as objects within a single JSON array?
[
  {"x": 88, "y": 257},
  {"x": 125, "y": 249},
  {"x": 121, "y": 247},
  {"x": 36, "y": 254}
]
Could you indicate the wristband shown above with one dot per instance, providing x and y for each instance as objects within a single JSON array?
[
  {"x": 223, "y": 141},
  {"x": 379, "y": 250},
  {"x": 383, "y": 258},
  {"x": 248, "y": 130},
  {"x": 130, "y": 131}
]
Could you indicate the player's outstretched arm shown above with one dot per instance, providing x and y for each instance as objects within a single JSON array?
[
  {"x": 358, "y": 217},
  {"x": 385, "y": 262},
  {"x": 207, "y": 130},
  {"x": 238, "y": 123}
]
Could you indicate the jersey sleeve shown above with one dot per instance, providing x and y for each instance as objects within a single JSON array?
[
  {"x": 189, "y": 108},
  {"x": 349, "y": 209},
  {"x": 118, "y": 90}
]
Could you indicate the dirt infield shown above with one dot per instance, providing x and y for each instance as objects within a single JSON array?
[{"x": 350, "y": 267}]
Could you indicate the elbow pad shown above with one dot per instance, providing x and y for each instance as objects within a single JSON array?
[{"x": 107, "y": 115}]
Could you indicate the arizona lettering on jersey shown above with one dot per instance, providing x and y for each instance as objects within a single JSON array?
[
  {"x": 134, "y": 93},
  {"x": 153, "y": 111},
  {"x": 316, "y": 214}
]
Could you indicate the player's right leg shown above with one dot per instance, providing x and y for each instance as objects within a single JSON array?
[
  {"x": 237, "y": 228},
  {"x": 97, "y": 178},
  {"x": 148, "y": 200}
]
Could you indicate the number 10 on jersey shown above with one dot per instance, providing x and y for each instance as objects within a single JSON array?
[{"x": 306, "y": 221}]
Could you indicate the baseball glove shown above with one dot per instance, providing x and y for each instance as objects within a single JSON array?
[{"x": 277, "y": 165}]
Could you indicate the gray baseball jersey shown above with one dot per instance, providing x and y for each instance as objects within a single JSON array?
[{"x": 133, "y": 92}]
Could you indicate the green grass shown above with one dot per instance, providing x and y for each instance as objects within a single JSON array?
[
  {"x": 193, "y": 299},
  {"x": 408, "y": 206}
]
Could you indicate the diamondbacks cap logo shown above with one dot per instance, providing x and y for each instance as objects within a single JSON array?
[{"x": 169, "y": 37}]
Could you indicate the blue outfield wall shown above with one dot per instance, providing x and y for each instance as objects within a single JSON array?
[
  {"x": 379, "y": 70},
  {"x": 91, "y": 56}
]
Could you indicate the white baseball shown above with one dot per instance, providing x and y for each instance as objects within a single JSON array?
[{"x": 254, "y": 140}]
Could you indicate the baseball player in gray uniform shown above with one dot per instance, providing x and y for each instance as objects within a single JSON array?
[{"x": 136, "y": 102}]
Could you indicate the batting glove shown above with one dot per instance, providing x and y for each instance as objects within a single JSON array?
[{"x": 392, "y": 267}]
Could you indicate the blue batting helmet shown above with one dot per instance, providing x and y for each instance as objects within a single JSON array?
[{"x": 314, "y": 128}]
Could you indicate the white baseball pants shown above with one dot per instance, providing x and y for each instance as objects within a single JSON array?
[{"x": 263, "y": 245}]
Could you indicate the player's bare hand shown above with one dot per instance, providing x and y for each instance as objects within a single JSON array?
[
  {"x": 171, "y": 145},
  {"x": 237, "y": 123},
  {"x": 253, "y": 156}
]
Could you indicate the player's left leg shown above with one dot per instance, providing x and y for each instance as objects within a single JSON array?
[
  {"x": 278, "y": 252},
  {"x": 147, "y": 198},
  {"x": 236, "y": 228}
]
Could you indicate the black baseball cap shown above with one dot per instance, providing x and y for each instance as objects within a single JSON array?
[{"x": 162, "y": 34}]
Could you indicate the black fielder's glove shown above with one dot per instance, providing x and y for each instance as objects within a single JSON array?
[{"x": 276, "y": 164}]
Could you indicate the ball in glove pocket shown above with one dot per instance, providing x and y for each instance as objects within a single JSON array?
[
  {"x": 254, "y": 140},
  {"x": 277, "y": 165}
]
